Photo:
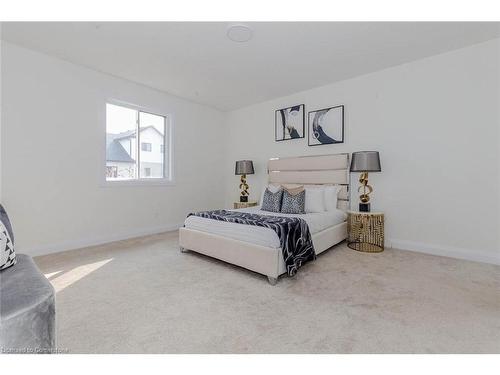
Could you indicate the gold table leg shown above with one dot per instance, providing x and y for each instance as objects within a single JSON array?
[{"x": 366, "y": 232}]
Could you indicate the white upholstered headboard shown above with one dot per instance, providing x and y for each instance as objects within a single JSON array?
[{"x": 313, "y": 170}]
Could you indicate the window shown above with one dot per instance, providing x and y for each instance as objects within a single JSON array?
[
  {"x": 126, "y": 129},
  {"x": 146, "y": 147}
]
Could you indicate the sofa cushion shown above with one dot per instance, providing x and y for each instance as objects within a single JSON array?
[{"x": 27, "y": 309}]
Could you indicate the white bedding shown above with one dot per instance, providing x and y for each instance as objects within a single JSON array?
[{"x": 259, "y": 235}]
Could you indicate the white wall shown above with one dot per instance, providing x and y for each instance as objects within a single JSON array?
[
  {"x": 53, "y": 153},
  {"x": 436, "y": 124}
]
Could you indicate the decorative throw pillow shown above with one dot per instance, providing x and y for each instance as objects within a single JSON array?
[
  {"x": 7, "y": 254},
  {"x": 293, "y": 203},
  {"x": 272, "y": 201},
  {"x": 292, "y": 186},
  {"x": 273, "y": 188},
  {"x": 295, "y": 190}
]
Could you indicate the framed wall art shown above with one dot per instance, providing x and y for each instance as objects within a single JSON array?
[
  {"x": 289, "y": 123},
  {"x": 326, "y": 126}
]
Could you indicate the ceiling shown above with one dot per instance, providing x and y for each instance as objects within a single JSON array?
[{"x": 196, "y": 61}]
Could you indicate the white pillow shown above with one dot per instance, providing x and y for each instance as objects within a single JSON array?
[
  {"x": 272, "y": 188},
  {"x": 331, "y": 197},
  {"x": 315, "y": 199}
]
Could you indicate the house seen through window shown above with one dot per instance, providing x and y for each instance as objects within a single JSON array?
[
  {"x": 126, "y": 129},
  {"x": 145, "y": 146}
]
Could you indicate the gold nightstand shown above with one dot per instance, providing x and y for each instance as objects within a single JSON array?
[
  {"x": 365, "y": 231},
  {"x": 244, "y": 204}
]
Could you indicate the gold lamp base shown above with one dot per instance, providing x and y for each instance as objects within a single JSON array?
[
  {"x": 364, "y": 206},
  {"x": 244, "y": 188}
]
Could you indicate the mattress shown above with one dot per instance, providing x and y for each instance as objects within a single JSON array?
[{"x": 317, "y": 222}]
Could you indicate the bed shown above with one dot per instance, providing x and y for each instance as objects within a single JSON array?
[{"x": 257, "y": 248}]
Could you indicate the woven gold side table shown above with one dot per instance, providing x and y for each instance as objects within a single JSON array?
[
  {"x": 365, "y": 231},
  {"x": 244, "y": 204}
]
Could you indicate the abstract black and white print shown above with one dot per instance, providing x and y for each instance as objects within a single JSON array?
[
  {"x": 326, "y": 126},
  {"x": 289, "y": 123}
]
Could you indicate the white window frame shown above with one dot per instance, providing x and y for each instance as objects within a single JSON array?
[{"x": 166, "y": 180}]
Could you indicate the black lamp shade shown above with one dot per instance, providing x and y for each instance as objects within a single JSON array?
[
  {"x": 365, "y": 161},
  {"x": 244, "y": 167}
]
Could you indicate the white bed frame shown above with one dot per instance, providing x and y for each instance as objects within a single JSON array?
[{"x": 306, "y": 170}]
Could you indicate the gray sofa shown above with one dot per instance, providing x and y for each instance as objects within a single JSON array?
[{"x": 27, "y": 309}]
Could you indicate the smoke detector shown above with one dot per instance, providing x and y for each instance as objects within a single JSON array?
[{"x": 239, "y": 33}]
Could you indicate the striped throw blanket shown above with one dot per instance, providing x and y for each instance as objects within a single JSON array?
[{"x": 293, "y": 233}]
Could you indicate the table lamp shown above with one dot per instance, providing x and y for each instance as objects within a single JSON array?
[
  {"x": 364, "y": 162},
  {"x": 244, "y": 167}
]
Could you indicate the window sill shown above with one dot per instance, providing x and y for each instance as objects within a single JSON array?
[{"x": 141, "y": 182}]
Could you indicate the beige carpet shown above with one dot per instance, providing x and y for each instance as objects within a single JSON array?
[{"x": 144, "y": 296}]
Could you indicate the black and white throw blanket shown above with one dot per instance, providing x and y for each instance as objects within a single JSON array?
[{"x": 293, "y": 233}]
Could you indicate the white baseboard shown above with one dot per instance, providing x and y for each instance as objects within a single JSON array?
[
  {"x": 445, "y": 251},
  {"x": 78, "y": 244}
]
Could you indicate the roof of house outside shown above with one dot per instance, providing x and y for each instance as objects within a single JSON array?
[
  {"x": 131, "y": 133},
  {"x": 114, "y": 149}
]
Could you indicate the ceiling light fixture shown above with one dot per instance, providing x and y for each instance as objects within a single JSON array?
[{"x": 239, "y": 33}]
